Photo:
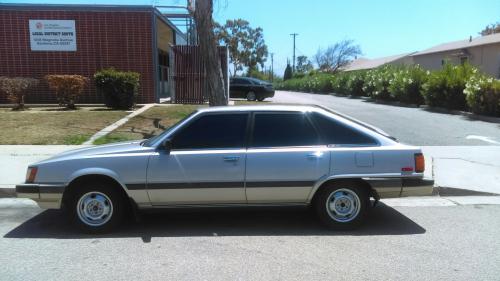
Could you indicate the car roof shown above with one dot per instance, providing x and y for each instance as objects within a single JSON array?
[{"x": 261, "y": 108}]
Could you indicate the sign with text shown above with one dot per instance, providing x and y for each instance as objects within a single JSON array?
[{"x": 52, "y": 35}]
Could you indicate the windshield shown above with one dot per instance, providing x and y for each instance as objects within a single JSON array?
[{"x": 153, "y": 140}]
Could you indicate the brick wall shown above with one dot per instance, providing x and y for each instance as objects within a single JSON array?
[{"x": 122, "y": 39}]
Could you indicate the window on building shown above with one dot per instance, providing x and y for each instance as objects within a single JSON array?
[
  {"x": 213, "y": 131},
  {"x": 283, "y": 129}
]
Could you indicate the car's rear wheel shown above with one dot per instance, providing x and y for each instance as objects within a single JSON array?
[
  {"x": 96, "y": 208},
  {"x": 251, "y": 96},
  {"x": 342, "y": 205}
]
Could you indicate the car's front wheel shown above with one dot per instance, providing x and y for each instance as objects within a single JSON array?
[
  {"x": 261, "y": 98},
  {"x": 342, "y": 205},
  {"x": 251, "y": 96},
  {"x": 96, "y": 208}
]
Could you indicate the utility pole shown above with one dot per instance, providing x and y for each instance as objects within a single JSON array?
[
  {"x": 293, "y": 66},
  {"x": 272, "y": 67}
]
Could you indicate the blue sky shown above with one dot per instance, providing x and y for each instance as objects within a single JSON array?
[{"x": 381, "y": 27}]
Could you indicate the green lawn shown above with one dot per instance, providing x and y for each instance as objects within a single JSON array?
[
  {"x": 149, "y": 123},
  {"x": 53, "y": 125}
]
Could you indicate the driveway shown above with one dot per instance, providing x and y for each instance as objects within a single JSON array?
[{"x": 410, "y": 125}]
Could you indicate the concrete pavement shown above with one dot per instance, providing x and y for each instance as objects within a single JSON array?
[{"x": 458, "y": 242}]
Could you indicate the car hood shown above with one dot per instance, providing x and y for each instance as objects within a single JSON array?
[{"x": 101, "y": 150}]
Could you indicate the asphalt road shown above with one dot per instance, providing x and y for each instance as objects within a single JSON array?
[
  {"x": 410, "y": 125},
  {"x": 402, "y": 243}
]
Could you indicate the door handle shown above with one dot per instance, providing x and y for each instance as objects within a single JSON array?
[
  {"x": 315, "y": 155},
  {"x": 231, "y": 158}
]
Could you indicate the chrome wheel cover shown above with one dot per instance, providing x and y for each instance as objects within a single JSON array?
[
  {"x": 94, "y": 208},
  {"x": 343, "y": 205}
]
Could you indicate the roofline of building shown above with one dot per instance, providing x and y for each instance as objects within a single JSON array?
[
  {"x": 92, "y": 8},
  {"x": 424, "y": 52}
]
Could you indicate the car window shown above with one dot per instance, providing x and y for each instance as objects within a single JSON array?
[
  {"x": 334, "y": 132},
  {"x": 283, "y": 129},
  {"x": 213, "y": 131}
]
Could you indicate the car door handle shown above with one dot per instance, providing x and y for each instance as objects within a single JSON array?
[
  {"x": 231, "y": 158},
  {"x": 315, "y": 155}
]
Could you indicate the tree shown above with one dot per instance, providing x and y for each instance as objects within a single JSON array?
[
  {"x": 491, "y": 29},
  {"x": 288, "y": 72},
  {"x": 202, "y": 13},
  {"x": 246, "y": 45},
  {"x": 336, "y": 56},
  {"x": 303, "y": 65}
]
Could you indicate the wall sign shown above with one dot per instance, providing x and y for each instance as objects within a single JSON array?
[{"x": 52, "y": 35}]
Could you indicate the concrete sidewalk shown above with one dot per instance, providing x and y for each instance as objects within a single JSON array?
[{"x": 457, "y": 170}]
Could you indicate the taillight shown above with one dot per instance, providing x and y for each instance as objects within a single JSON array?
[
  {"x": 31, "y": 174},
  {"x": 419, "y": 163}
]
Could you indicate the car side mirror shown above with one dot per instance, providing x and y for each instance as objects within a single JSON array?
[{"x": 166, "y": 145}]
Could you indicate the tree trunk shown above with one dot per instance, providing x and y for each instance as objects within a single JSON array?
[{"x": 209, "y": 53}]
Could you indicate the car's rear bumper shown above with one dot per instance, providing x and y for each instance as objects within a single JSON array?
[
  {"x": 47, "y": 196},
  {"x": 401, "y": 187}
]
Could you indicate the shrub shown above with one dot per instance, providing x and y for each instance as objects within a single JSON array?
[
  {"x": 339, "y": 84},
  {"x": 445, "y": 88},
  {"x": 118, "y": 87},
  {"x": 67, "y": 88},
  {"x": 406, "y": 84},
  {"x": 355, "y": 83},
  {"x": 377, "y": 82},
  {"x": 483, "y": 95},
  {"x": 16, "y": 88}
]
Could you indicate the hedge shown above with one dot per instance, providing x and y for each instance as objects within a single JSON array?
[
  {"x": 16, "y": 89},
  {"x": 453, "y": 87},
  {"x": 67, "y": 88},
  {"x": 119, "y": 88}
]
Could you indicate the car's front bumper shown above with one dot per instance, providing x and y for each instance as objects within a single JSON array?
[{"x": 47, "y": 196}]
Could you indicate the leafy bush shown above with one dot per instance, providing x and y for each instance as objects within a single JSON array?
[
  {"x": 483, "y": 95},
  {"x": 16, "y": 88},
  {"x": 119, "y": 87},
  {"x": 355, "y": 83},
  {"x": 445, "y": 88},
  {"x": 406, "y": 84},
  {"x": 339, "y": 84},
  {"x": 67, "y": 88},
  {"x": 377, "y": 82}
]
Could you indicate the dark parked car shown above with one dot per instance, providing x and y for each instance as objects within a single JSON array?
[{"x": 250, "y": 88}]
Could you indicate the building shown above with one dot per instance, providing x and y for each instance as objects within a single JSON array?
[
  {"x": 37, "y": 40},
  {"x": 365, "y": 63},
  {"x": 482, "y": 52}
]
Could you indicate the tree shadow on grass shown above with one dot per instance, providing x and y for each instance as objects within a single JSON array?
[{"x": 382, "y": 220}]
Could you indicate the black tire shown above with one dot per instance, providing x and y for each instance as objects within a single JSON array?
[
  {"x": 351, "y": 196},
  {"x": 97, "y": 194},
  {"x": 251, "y": 96},
  {"x": 261, "y": 98}
]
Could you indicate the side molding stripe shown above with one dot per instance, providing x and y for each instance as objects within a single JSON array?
[{"x": 199, "y": 185}]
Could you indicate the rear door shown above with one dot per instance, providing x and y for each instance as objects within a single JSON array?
[
  {"x": 284, "y": 158},
  {"x": 206, "y": 164}
]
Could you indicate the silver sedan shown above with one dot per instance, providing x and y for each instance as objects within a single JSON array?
[{"x": 234, "y": 156}]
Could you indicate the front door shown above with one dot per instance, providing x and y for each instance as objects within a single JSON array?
[
  {"x": 206, "y": 164},
  {"x": 284, "y": 159}
]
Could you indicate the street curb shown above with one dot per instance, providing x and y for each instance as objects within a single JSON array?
[{"x": 451, "y": 191}]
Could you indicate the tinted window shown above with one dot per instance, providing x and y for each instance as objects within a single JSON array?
[
  {"x": 241, "y": 81},
  {"x": 334, "y": 132},
  {"x": 213, "y": 131},
  {"x": 283, "y": 129}
]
